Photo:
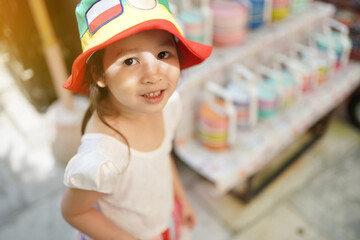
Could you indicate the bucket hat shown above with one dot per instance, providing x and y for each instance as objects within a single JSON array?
[{"x": 103, "y": 22}]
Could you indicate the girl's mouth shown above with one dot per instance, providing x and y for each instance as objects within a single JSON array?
[
  {"x": 152, "y": 94},
  {"x": 154, "y": 97}
]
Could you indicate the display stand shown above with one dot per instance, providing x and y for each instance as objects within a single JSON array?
[{"x": 258, "y": 146}]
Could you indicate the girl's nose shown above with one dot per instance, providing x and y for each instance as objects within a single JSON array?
[{"x": 151, "y": 70}]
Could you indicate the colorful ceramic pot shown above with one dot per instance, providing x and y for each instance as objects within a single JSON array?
[
  {"x": 230, "y": 23},
  {"x": 212, "y": 126}
]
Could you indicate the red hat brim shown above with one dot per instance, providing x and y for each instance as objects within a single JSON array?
[{"x": 191, "y": 53}]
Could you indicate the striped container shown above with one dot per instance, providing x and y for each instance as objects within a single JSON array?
[
  {"x": 212, "y": 125},
  {"x": 241, "y": 99},
  {"x": 299, "y": 6},
  {"x": 268, "y": 101},
  {"x": 193, "y": 23},
  {"x": 335, "y": 42},
  {"x": 280, "y": 9},
  {"x": 304, "y": 73},
  {"x": 256, "y": 14},
  {"x": 229, "y": 23},
  {"x": 323, "y": 63},
  {"x": 286, "y": 85}
]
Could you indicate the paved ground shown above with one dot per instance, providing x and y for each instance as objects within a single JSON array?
[{"x": 318, "y": 198}]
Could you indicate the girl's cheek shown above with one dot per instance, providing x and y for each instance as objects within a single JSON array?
[{"x": 176, "y": 75}]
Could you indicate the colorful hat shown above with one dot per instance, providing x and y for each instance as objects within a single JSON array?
[{"x": 103, "y": 22}]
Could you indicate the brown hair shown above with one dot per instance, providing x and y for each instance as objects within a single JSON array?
[{"x": 98, "y": 95}]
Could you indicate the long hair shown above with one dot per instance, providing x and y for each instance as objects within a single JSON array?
[{"x": 98, "y": 95}]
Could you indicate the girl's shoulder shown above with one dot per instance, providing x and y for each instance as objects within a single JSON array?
[{"x": 97, "y": 164}]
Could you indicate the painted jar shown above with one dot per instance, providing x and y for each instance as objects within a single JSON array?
[
  {"x": 216, "y": 121},
  {"x": 299, "y": 6},
  {"x": 268, "y": 101},
  {"x": 242, "y": 101},
  {"x": 339, "y": 43},
  {"x": 229, "y": 23},
  {"x": 280, "y": 9},
  {"x": 286, "y": 85},
  {"x": 256, "y": 13},
  {"x": 212, "y": 125},
  {"x": 193, "y": 22}
]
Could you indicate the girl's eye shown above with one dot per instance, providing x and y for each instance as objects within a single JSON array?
[
  {"x": 163, "y": 55},
  {"x": 130, "y": 61}
]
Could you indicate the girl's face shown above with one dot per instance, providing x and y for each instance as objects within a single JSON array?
[{"x": 141, "y": 72}]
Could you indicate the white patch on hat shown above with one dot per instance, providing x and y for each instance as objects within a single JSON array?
[
  {"x": 101, "y": 12},
  {"x": 143, "y": 4}
]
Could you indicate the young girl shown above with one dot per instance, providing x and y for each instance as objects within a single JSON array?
[{"x": 122, "y": 184}]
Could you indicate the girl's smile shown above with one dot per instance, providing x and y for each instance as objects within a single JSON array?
[{"x": 154, "y": 97}]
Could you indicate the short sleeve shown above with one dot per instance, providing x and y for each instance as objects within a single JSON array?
[{"x": 95, "y": 167}]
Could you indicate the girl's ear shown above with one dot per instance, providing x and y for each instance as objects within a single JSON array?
[
  {"x": 95, "y": 68},
  {"x": 101, "y": 83},
  {"x": 99, "y": 78}
]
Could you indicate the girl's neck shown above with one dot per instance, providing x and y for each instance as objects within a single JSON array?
[
  {"x": 135, "y": 117},
  {"x": 121, "y": 113},
  {"x": 139, "y": 120},
  {"x": 144, "y": 133},
  {"x": 126, "y": 114}
]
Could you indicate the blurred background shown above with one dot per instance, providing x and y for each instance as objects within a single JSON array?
[{"x": 282, "y": 163}]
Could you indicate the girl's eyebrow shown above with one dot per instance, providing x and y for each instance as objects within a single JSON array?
[
  {"x": 126, "y": 51},
  {"x": 167, "y": 44},
  {"x": 121, "y": 52}
]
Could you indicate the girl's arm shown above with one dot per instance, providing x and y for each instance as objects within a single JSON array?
[
  {"x": 78, "y": 210},
  {"x": 188, "y": 217}
]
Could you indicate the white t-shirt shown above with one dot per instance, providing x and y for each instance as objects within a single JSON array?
[{"x": 138, "y": 192}]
